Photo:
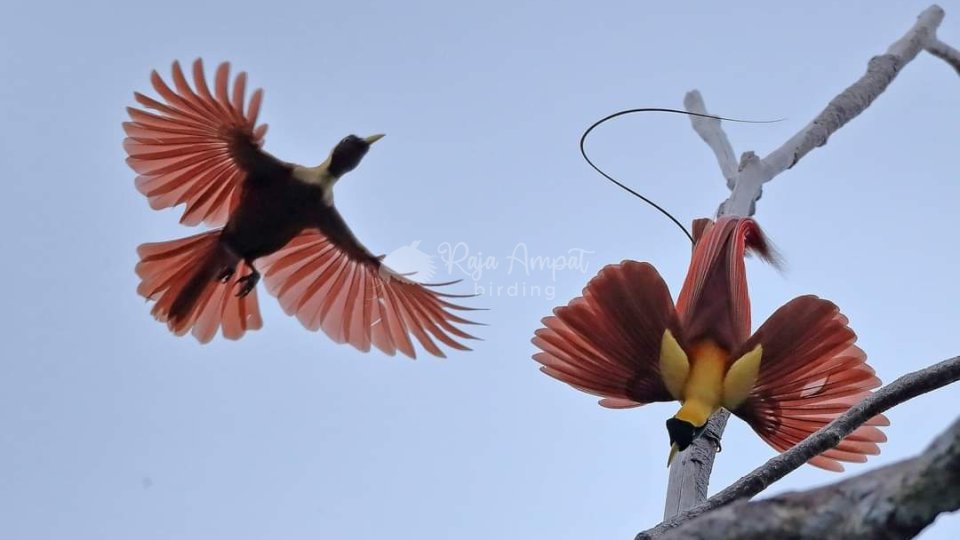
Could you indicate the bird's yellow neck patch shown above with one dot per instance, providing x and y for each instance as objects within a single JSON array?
[
  {"x": 703, "y": 391},
  {"x": 317, "y": 176}
]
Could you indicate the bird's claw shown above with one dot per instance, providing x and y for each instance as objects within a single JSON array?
[
  {"x": 247, "y": 283},
  {"x": 226, "y": 274}
]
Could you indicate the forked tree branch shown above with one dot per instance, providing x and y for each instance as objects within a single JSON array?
[
  {"x": 690, "y": 474},
  {"x": 747, "y": 184},
  {"x": 905, "y": 388}
]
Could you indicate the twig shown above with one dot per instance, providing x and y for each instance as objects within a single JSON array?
[
  {"x": 710, "y": 131},
  {"x": 944, "y": 52},
  {"x": 906, "y": 387}
]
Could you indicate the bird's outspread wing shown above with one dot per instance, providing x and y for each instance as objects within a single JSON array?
[
  {"x": 330, "y": 281},
  {"x": 197, "y": 146},
  {"x": 608, "y": 341},
  {"x": 810, "y": 373}
]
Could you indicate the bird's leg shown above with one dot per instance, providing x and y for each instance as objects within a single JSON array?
[{"x": 248, "y": 282}]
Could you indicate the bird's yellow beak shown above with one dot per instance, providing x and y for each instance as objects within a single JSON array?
[
  {"x": 674, "y": 450},
  {"x": 374, "y": 138}
]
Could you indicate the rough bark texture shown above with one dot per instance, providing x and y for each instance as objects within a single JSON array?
[
  {"x": 892, "y": 502},
  {"x": 700, "y": 455},
  {"x": 905, "y": 388}
]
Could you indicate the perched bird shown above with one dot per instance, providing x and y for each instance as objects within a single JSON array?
[
  {"x": 202, "y": 148},
  {"x": 624, "y": 341}
]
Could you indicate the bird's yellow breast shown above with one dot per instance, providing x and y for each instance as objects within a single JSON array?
[
  {"x": 712, "y": 380},
  {"x": 703, "y": 391}
]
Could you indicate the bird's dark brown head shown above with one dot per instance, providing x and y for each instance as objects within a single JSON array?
[
  {"x": 682, "y": 433},
  {"x": 347, "y": 154}
]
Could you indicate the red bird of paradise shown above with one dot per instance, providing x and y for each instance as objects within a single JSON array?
[
  {"x": 202, "y": 148},
  {"x": 624, "y": 341}
]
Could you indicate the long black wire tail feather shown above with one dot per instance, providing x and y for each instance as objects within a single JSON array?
[{"x": 659, "y": 208}]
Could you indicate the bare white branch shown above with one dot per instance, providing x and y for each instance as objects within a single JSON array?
[
  {"x": 881, "y": 70},
  {"x": 710, "y": 131},
  {"x": 690, "y": 473},
  {"x": 944, "y": 52}
]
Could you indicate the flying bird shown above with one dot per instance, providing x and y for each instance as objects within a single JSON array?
[
  {"x": 202, "y": 148},
  {"x": 625, "y": 341}
]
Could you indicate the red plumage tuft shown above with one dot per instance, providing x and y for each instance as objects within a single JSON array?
[
  {"x": 181, "y": 276},
  {"x": 757, "y": 243}
]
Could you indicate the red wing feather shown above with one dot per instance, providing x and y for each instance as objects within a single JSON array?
[
  {"x": 810, "y": 373},
  {"x": 607, "y": 342},
  {"x": 196, "y": 147},
  {"x": 359, "y": 301}
]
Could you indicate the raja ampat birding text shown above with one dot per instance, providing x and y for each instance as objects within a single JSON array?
[{"x": 521, "y": 273}]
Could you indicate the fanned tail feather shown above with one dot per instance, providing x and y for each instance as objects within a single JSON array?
[{"x": 181, "y": 277}]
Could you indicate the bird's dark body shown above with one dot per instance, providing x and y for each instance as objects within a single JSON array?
[
  {"x": 274, "y": 207},
  {"x": 199, "y": 145}
]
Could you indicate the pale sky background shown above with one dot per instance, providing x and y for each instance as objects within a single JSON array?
[{"x": 112, "y": 428}]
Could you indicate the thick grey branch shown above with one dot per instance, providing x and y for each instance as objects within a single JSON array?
[
  {"x": 896, "y": 501},
  {"x": 900, "y": 390},
  {"x": 686, "y": 491}
]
